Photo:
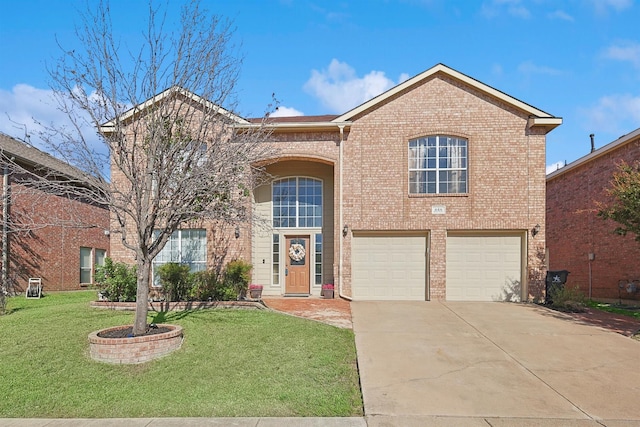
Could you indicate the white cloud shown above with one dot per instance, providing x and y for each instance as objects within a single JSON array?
[
  {"x": 562, "y": 15},
  {"x": 554, "y": 167},
  {"x": 614, "y": 113},
  {"x": 515, "y": 8},
  {"x": 624, "y": 51},
  {"x": 603, "y": 6},
  {"x": 340, "y": 89},
  {"x": 283, "y": 111},
  {"x": 20, "y": 106},
  {"x": 528, "y": 68},
  {"x": 26, "y": 111}
]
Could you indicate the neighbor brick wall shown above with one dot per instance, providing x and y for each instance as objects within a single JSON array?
[
  {"x": 48, "y": 232},
  {"x": 574, "y": 230}
]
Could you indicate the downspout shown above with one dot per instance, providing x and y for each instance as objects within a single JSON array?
[
  {"x": 340, "y": 215},
  {"x": 5, "y": 228}
]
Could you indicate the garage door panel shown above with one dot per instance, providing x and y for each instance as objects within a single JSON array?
[
  {"x": 483, "y": 268},
  {"x": 389, "y": 267}
]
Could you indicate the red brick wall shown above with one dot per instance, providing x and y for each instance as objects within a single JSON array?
[
  {"x": 48, "y": 233},
  {"x": 574, "y": 230}
]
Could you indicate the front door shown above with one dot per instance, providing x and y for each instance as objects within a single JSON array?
[{"x": 297, "y": 265}]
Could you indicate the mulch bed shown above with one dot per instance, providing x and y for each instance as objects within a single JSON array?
[{"x": 127, "y": 332}]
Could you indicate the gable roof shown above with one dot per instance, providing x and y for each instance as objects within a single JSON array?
[
  {"x": 165, "y": 95},
  {"x": 30, "y": 156},
  {"x": 537, "y": 117},
  {"x": 623, "y": 140}
]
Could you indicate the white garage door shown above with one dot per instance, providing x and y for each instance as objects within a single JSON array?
[
  {"x": 389, "y": 267},
  {"x": 484, "y": 268}
]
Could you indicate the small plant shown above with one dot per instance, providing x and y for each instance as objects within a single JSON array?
[
  {"x": 568, "y": 299},
  {"x": 237, "y": 276},
  {"x": 116, "y": 281},
  {"x": 175, "y": 281},
  {"x": 204, "y": 286}
]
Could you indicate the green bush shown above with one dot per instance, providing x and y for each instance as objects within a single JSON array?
[
  {"x": 175, "y": 280},
  {"x": 236, "y": 276},
  {"x": 117, "y": 281},
  {"x": 568, "y": 299},
  {"x": 203, "y": 286}
]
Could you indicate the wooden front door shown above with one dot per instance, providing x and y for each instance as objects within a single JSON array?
[{"x": 297, "y": 265}]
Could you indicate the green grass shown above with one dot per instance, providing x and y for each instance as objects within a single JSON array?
[
  {"x": 232, "y": 363},
  {"x": 612, "y": 308}
]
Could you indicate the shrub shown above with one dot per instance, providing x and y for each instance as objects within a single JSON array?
[
  {"x": 117, "y": 281},
  {"x": 236, "y": 276},
  {"x": 568, "y": 299},
  {"x": 203, "y": 286},
  {"x": 175, "y": 281}
]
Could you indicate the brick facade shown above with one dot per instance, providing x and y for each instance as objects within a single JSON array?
[
  {"x": 574, "y": 230},
  {"x": 366, "y": 155},
  {"x": 46, "y": 233}
]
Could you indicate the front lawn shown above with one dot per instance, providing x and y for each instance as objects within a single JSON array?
[
  {"x": 232, "y": 363},
  {"x": 631, "y": 311}
]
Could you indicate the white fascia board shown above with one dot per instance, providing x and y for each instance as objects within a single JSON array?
[
  {"x": 452, "y": 73},
  {"x": 110, "y": 125}
]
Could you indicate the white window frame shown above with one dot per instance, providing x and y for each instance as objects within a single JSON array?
[
  {"x": 452, "y": 165},
  {"x": 297, "y": 206},
  {"x": 178, "y": 256}
]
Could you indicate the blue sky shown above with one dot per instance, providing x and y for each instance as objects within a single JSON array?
[{"x": 576, "y": 59}]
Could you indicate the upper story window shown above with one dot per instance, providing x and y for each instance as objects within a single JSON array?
[
  {"x": 297, "y": 203},
  {"x": 438, "y": 165}
]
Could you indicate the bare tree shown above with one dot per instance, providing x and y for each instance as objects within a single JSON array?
[{"x": 174, "y": 156}]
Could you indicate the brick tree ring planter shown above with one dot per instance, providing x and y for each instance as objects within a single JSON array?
[{"x": 133, "y": 350}]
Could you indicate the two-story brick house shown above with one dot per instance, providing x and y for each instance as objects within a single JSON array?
[
  {"x": 433, "y": 190},
  {"x": 56, "y": 238}
]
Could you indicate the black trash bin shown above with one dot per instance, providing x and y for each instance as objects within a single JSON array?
[{"x": 555, "y": 282}]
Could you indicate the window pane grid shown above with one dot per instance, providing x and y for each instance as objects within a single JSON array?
[
  {"x": 438, "y": 164},
  {"x": 318, "y": 263},
  {"x": 184, "y": 247},
  {"x": 276, "y": 260},
  {"x": 297, "y": 202}
]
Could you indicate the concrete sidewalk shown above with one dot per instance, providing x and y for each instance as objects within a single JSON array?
[{"x": 450, "y": 364}]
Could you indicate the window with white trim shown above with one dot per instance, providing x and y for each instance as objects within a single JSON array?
[
  {"x": 297, "y": 203},
  {"x": 318, "y": 263},
  {"x": 86, "y": 270},
  {"x": 188, "y": 246},
  {"x": 438, "y": 165},
  {"x": 90, "y": 258}
]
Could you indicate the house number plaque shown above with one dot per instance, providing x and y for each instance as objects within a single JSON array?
[{"x": 438, "y": 209}]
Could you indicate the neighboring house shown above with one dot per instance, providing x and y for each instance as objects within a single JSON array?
[
  {"x": 55, "y": 238},
  {"x": 577, "y": 239},
  {"x": 434, "y": 189}
]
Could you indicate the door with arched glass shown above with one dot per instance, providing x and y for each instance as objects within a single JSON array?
[{"x": 297, "y": 217}]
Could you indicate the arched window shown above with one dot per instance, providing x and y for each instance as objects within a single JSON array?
[
  {"x": 438, "y": 165},
  {"x": 297, "y": 203}
]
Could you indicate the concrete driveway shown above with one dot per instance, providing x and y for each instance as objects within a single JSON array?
[{"x": 436, "y": 363}]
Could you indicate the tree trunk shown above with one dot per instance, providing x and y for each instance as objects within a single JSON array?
[{"x": 142, "y": 296}]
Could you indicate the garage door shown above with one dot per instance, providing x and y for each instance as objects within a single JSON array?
[
  {"x": 389, "y": 267},
  {"x": 484, "y": 268}
]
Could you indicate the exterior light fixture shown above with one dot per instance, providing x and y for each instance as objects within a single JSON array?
[
  {"x": 535, "y": 230},
  {"x": 237, "y": 232},
  {"x": 345, "y": 230}
]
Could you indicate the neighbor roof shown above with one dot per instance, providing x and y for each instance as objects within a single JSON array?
[
  {"x": 31, "y": 156},
  {"x": 624, "y": 139}
]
